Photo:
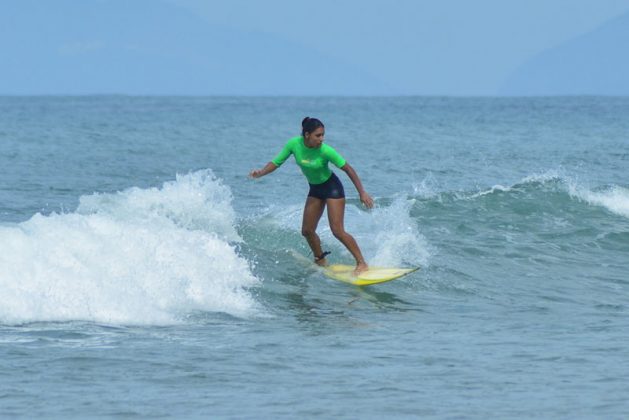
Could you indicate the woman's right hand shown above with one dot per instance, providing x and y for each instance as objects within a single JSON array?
[{"x": 257, "y": 173}]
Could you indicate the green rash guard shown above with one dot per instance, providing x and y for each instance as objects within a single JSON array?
[{"x": 312, "y": 161}]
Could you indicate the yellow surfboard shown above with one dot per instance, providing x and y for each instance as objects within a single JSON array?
[{"x": 373, "y": 275}]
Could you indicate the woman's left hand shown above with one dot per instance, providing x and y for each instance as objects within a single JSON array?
[{"x": 366, "y": 200}]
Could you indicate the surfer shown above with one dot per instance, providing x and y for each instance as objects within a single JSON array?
[{"x": 326, "y": 189}]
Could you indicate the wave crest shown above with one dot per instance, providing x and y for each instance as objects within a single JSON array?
[{"x": 140, "y": 256}]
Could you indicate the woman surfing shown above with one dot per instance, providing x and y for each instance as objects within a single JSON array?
[{"x": 326, "y": 189}]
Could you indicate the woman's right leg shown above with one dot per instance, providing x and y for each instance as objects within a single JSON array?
[
  {"x": 313, "y": 211},
  {"x": 336, "y": 215}
]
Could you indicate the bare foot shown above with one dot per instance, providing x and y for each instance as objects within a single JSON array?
[
  {"x": 322, "y": 262},
  {"x": 360, "y": 268}
]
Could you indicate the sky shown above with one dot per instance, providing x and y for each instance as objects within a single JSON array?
[
  {"x": 452, "y": 47},
  {"x": 298, "y": 47}
]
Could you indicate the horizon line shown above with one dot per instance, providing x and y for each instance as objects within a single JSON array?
[{"x": 179, "y": 95}]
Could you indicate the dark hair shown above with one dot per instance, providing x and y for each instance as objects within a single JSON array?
[{"x": 308, "y": 125}]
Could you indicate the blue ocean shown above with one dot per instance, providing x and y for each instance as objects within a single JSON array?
[{"x": 143, "y": 274}]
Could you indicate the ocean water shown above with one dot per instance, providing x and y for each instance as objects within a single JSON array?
[{"x": 142, "y": 274}]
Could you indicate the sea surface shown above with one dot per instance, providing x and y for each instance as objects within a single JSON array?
[{"x": 143, "y": 274}]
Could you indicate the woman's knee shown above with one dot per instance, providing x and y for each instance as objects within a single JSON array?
[
  {"x": 307, "y": 231},
  {"x": 338, "y": 231}
]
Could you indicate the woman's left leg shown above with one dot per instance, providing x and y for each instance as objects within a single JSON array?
[{"x": 336, "y": 216}]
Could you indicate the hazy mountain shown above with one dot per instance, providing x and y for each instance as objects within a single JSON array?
[
  {"x": 596, "y": 63},
  {"x": 150, "y": 47}
]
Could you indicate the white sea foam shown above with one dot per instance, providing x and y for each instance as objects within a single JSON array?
[
  {"x": 542, "y": 177},
  {"x": 492, "y": 190},
  {"x": 427, "y": 188},
  {"x": 394, "y": 236},
  {"x": 147, "y": 256},
  {"x": 614, "y": 199}
]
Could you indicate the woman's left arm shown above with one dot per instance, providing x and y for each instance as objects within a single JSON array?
[{"x": 364, "y": 197}]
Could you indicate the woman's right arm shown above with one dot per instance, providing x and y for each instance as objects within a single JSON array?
[
  {"x": 268, "y": 168},
  {"x": 273, "y": 164}
]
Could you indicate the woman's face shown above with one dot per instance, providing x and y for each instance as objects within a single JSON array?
[{"x": 315, "y": 139}]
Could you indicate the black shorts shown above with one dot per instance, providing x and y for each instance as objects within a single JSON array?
[{"x": 332, "y": 188}]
